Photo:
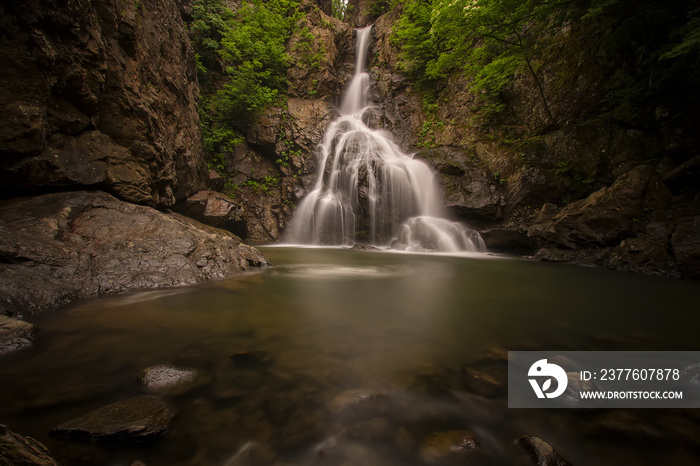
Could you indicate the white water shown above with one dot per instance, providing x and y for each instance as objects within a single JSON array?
[{"x": 368, "y": 190}]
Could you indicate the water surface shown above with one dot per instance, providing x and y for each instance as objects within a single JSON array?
[{"x": 370, "y": 351}]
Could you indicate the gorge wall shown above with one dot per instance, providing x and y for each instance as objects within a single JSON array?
[{"x": 99, "y": 95}]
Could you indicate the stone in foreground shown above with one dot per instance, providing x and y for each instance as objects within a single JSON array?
[
  {"x": 171, "y": 380},
  {"x": 15, "y": 334},
  {"x": 540, "y": 452},
  {"x": 16, "y": 449},
  {"x": 136, "y": 419}
]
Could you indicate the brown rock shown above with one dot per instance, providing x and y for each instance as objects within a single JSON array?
[
  {"x": 604, "y": 218},
  {"x": 18, "y": 450},
  {"x": 540, "y": 452},
  {"x": 100, "y": 94},
  {"x": 136, "y": 419},
  {"x": 60, "y": 247},
  {"x": 15, "y": 334}
]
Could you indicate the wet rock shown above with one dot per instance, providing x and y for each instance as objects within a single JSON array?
[
  {"x": 359, "y": 403},
  {"x": 66, "y": 246},
  {"x": 599, "y": 257},
  {"x": 252, "y": 358},
  {"x": 481, "y": 383},
  {"x": 18, "y": 450},
  {"x": 540, "y": 452},
  {"x": 172, "y": 380},
  {"x": 136, "y": 419},
  {"x": 15, "y": 334},
  {"x": 450, "y": 447},
  {"x": 576, "y": 385}
]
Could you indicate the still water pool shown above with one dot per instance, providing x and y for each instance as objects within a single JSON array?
[{"x": 371, "y": 355}]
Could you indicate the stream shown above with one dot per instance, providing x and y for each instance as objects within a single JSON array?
[{"x": 369, "y": 354}]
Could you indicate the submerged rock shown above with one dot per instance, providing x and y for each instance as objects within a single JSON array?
[
  {"x": 540, "y": 452},
  {"x": 66, "y": 246},
  {"x": 171, "y": 380},
  {"x": 15, "y": 334},
  {"x": 450, "y": 447},
  {"x": 136, "y": 419},
  {"x": 18, "y": 450},
  {"x": 481, "y": 383}
]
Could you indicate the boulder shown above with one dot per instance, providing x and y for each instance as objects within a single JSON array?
[
  {"x": 136, "y": 419},
  {"x": 540, "y": 452},
  {"x": 16, "y": 450},
  {"x": 171, "y": 380},
  {"x": 59, "y": 247},
  {"x": 215, "y": 209},
  {"x": 15, "y": 334},
  {"x": 607, "y": 216}
]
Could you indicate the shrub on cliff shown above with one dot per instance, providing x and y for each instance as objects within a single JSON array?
[{"x": 244, "y": 50}]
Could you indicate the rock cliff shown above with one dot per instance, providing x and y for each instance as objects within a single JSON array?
[{"x": 100, "y": 95}]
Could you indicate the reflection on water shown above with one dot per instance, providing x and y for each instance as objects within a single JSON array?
[{"x": 375, "y": 359}]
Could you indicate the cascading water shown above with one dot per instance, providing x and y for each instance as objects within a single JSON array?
[{"x": 367, "y": 190}]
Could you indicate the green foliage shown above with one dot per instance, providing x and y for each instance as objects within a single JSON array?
[
  {"x": 242, "y": 63},
  {"x": 652, "y": 44},
  {"x": 304, "y": 47},
  {"x": 489, "y": 40}
]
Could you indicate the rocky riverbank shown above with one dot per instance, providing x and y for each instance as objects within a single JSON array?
[{"x": 57, "y": 248}]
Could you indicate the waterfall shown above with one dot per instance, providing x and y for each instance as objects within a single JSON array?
[{"x": 368, "y": 190}]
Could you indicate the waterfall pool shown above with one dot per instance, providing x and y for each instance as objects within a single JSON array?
[{"x": 370, "y": 357}]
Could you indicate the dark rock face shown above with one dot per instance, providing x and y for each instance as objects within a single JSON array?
[
  {"x": 606, "y": 216},
  {"x": 15, "y": 334},
  {"x": 101, "y": 95},
  {"x": 60, "y": 247},
  {"x": 18, "y": 450},
  {"x": 136, "y": 419}
]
